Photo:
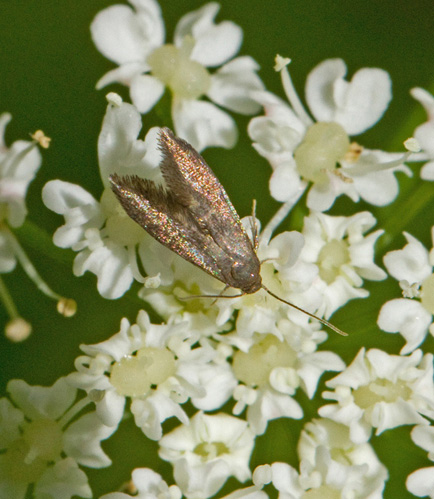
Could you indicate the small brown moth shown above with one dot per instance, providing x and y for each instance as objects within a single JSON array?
[{"x": 194, "y": 217}]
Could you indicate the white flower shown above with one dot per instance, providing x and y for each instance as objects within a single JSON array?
[
  {"x": 353, "y": 469},
  {"x": 300, "y": 150},
  {"x": 343, "y": 254},
  {"x": 18, "y": 167},
  {"x": 134, "y": 39},
  {"x": 412, "y": 266},
  {"x": 39, "y": 446},
  {"x": 207, "y": 452},
  {"x": 325, "y": 479},
  {"x": 156, "y": 368},
  {"x": 147, "y": 484},
  {"x": 425, "y": 133},
  {"x": 421, "y": 482},
  {"x": 102, "y": 234},
  {"x": 272, "y": 369},
  {"x": 330, "y": 466},
  {"x": 381, "y": 391}
]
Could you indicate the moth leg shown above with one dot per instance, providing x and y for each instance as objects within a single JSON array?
[{"x": 254, "y": 227}]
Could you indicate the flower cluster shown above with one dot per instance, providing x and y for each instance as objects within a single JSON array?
[{"x": 221, "y": 366}]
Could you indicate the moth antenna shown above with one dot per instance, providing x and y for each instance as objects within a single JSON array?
[{"x": 323, "y": 321}]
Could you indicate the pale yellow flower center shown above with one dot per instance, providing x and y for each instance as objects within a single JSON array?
[
  {"x": 380, "y": 390},
  {"x": 254, "y": 367},
  {"x": 135, "y": 375},
  {"x": 427, "y": 293},
  {"x": 17, "y": 468},
  {"x": 332, "y": 256},
  {"x": 322, "y": 492},
  {"x": 210, "y": 450},
  {"x": 186, "y": 79},
  {"x": 27, "y": 457},
  {"x": 44, "y": 438},
  {"x": 323, "y": 146}
]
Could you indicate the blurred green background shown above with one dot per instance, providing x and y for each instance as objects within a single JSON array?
[{"x": 49, "y": 70}]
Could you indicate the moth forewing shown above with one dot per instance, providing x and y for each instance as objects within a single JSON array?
[
  {"x": 192, "y": 181},
  {"x": 194, "y": 217}
]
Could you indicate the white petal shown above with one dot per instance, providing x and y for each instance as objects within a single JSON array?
[
  {"x": 60, "y": 197},
  {"x": 232, "y": 84},
  {"x": 5, "y": 118},
  {"x": 377, "y": 188},
  {"x": 111, "y": 408},
  {"x": 423, "y": 436},
  {"x": 110, "y": 265},
  {"x": 285, "y": 182},
  {"x": 218, "y": 381},
  {"x": 151, "y": 485},
  {"x": 42, "y": 401},
  {"x": 272, "y": 405},
  {"x": 426, "y": 99},
  {"x": 7, "y": 256},
  {"x": 407, "y": 317},
  {"x": 215, "y": 43},
  {"x": 11, "y": 419},
  {"x": 386, "y": 416},
  {"x": 123, "y": 343},
  {"x": 356, "y": 105},
  {"x": 320, "y": 198},
  {"x": 145, "y": 92},
  {"x": 203, "y": 124},
  {"x": 410, "y": 263},
  {"x": 314, "y": 365},
  {"x": 287, "y": 481},
  {"x": 121, "y": 35},
  {"x": 151, "y": 412},
  {"x": 251, "y": 492},
  {"x": 82, "y": 441},
  {"x": 119, "y": 150},
  {"x": 427, "y": 171},
  {"x": 285, "y": 248},
  {"x": 63, "y": 480},
  {"x": 80, "y": 209},
  {"x": 123, "y": 74},
  {"x": 355, "y": 375},
  {"x": 425, "y": 136},
  {"x": 197, "y": 482},
  {"x": 421, "y": 482}
]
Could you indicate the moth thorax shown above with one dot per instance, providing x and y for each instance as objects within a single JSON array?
[{"x": 246, "y": 276}]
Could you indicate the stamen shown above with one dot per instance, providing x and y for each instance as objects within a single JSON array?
[
  {"x": 281, "y": 214},
  {"x": 67, "y": 306},
  {"x": 75, "y": 409},
  {"x": 291, "y": 93},
  {"x": 363, "y": 169},
  {"x": 40, "y": 138},
  {"x": 132, "y": 260},
  {"x": 17, "y": 329}
]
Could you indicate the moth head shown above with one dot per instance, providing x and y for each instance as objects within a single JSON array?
[{"x": 246, "y": 276}]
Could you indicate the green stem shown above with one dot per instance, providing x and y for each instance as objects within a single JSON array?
[
  {"x": 29, "y": 269},
  {"x": 8, "y": 301}
]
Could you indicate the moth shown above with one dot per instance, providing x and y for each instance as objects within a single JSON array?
[{"x": 193, "y": 216}]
